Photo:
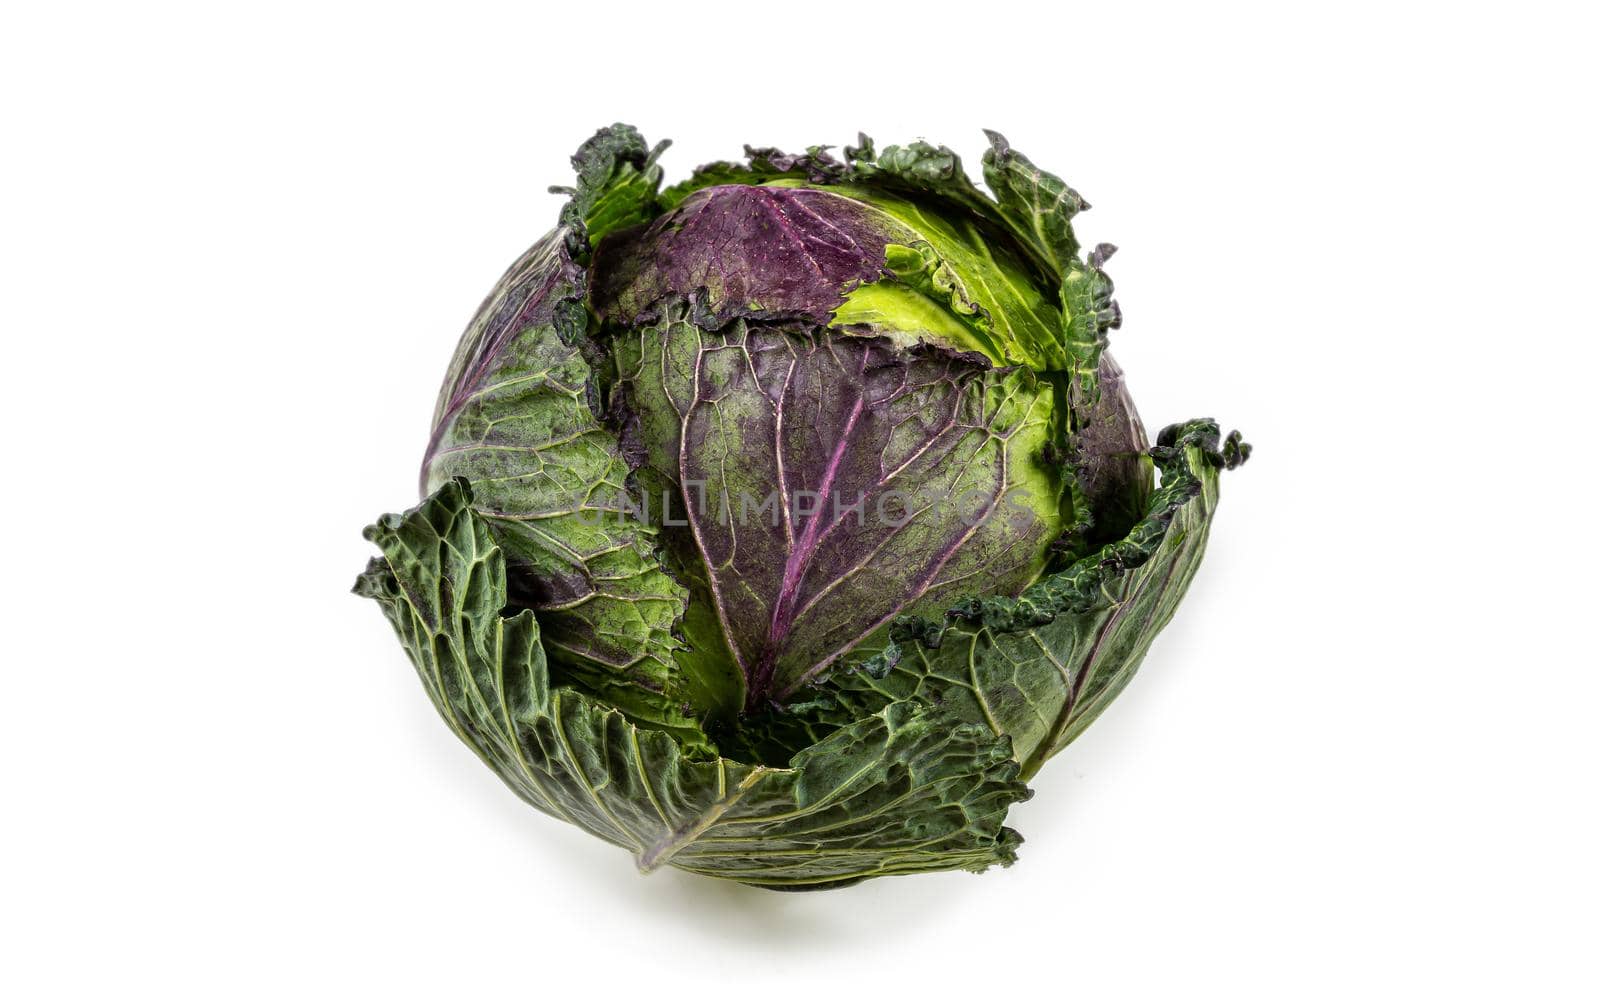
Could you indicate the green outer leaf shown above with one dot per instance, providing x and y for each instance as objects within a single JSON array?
[
  {"x": 1041, "y": 667},
  {"x": 552, "y": 482},
  {"x": 617, "y": 182},
  {"x": 904, "y": 790},
  {"x": 1038, "y": 205}
]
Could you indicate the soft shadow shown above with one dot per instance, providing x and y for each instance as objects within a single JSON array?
[{"x": 732, "y": 913}]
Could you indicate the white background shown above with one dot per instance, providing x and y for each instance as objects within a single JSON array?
[{"x": 238, "y": 246}]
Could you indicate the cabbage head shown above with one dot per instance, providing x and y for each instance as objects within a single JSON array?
[{"x": 780, "y": 524}]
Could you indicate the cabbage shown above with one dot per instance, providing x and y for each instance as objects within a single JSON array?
[{"x": 780, "y": 524}]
